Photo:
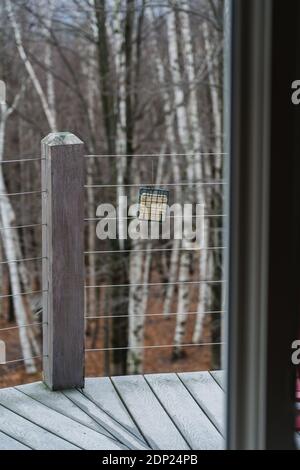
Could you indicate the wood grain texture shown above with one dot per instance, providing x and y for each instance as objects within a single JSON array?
[
  {"x": 112, "y": 426},
  {"x": 219, "y": 376},
  {"x": 193, "y": 423},
  {"x": 63, "y": 260},
  {"x": 56, "y": 423},
  {"x": 59, "y": 402},
  {"x": 30, "y": 434},
  {"x": 154, "y": 423},
  {"x": 8, "y": 443},
  {"x": 208, "y": 394},
  {"x": 160, "y": 411},
  {"x": 102, "y": 392}
]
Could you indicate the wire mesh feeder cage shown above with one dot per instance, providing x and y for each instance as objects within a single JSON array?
[{"x": 153, "y": 204}]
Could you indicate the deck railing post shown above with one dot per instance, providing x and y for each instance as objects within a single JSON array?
[{"x": 63, "y": 263}]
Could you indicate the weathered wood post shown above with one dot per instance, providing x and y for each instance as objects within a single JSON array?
[{"x": 63, "y": 262}]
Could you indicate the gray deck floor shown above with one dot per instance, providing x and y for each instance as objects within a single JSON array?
[{"x": 160, "y": 411}]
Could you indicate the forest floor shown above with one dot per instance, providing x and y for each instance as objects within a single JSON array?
[{"x": 158, "y": 331}]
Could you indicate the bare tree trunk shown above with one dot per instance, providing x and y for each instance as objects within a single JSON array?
[
  {"x": 120, "y": 61},
  {"x": 120, "y": 268},
  {"x": 216, "y": 205},
  {"x": 186, "y": 143},
  {"x": 50, "y": 8},
  {"x": 136, "y": 323},
  {"x": 169, "y": 114},
  {"x": 29, "y": 68},
  {"x": 9, "y": 238},
  {"x": 138, "y": 294},
  {"x": 198, "y": 145},
  {"x": 91, "y": 295}
]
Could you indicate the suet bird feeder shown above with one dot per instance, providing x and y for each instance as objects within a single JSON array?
[{"x": 153, "y": 203}]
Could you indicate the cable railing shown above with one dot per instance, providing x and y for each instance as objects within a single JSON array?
[
  {"x": 24, "y": 193},
  {"x": 33, "y": 292},
  {"x": 22, "y": 160},
  {"x": 147, "y": 315},
  {"x": 25, "y": 359},
  {"x": 155, "y": 284},
  {"x": 138, "y": 185},
  {"x": 23, "y": 260},
  {"x": 155, "y": 250},
  {"x": 193, "y": 216},
  {"x": 159, "y": 155},
  {"x": 154, "y": 346},
  {"x": 17, "y": 327},
  {"x": 207, "y": 182},
  {"x": 107, "y": 315},
  {"x": 103, "y": 317},
  {"x": 14, "y": 227}
]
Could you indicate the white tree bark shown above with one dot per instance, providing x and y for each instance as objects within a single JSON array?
[
  {"x": 215, "y": 98},
  {"x": 118, "y": 41},
  {"x": 29, "y": 68},
  {"x": 140, "y": 264},
  {"x": 9, "y": 238},
  {"x": 49, "y": 11},
  {"x": 198, "y": 145},
  {"x": 213, "y": 167},
  {"x": 91, "y": 295},
  {"x": 186, "y": 143},
  {"x": 169, "y": 114},
  {"x": 136, "y": 319},
  {"x": 135, "y": 313}
]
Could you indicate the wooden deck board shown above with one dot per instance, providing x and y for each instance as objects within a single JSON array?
[
  {"x": 29, "y": 433},
  {"x": 155, "y": 425},
  {"x": 161, "y": 411},
  {"x": 195, "y": 426},
  {"x": 116, "y": 430},
  {"x": 57, "y": 423},
  {"x": 218, "y": 375},
  {"x": 207, "y": 394},
  {"x": 8, "y": 443},
  {"x": 59, "y": 402},
  {"x": 102, "y": 392}
]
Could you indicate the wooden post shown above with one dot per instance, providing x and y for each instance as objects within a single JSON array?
[{"x": 63, "y": 262}]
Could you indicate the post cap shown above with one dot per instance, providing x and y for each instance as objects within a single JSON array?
[{"x": 61, "y": 138}]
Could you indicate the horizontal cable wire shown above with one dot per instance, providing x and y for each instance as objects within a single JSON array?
[
  {"x": 136, "y": 185},
  {"x": 25, "y": 193},
  {"x": 158, "y": 155},
  {"x": 23, "y": 293},
  {"x": 154, "y": 346},
  {"x": 155, "y": 284},
  {"x": 21, "y": 360},
  {"x": 22, "y": 160},
  {"x": 98, "y": 219},
  {"x": 169, "y": 314},
  {"x": 23, "y": 259},
  {"x": 17, "y": 327},
  {"x": 22, "y": 226},
  {"x": 154, "y": 250}
]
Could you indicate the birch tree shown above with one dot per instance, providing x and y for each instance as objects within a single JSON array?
[
  {"x": 140, "y": 264},
  {"x": 185, "y": 142},
  {"x": 9, "y": 237},
  {"x": 45, "y": 102},
  {"x": 198, "y": 147},
  {"x": 169, "y": 115},
  {"x": 212, "y": 44},
  {"x": 91, "y": 296}
]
